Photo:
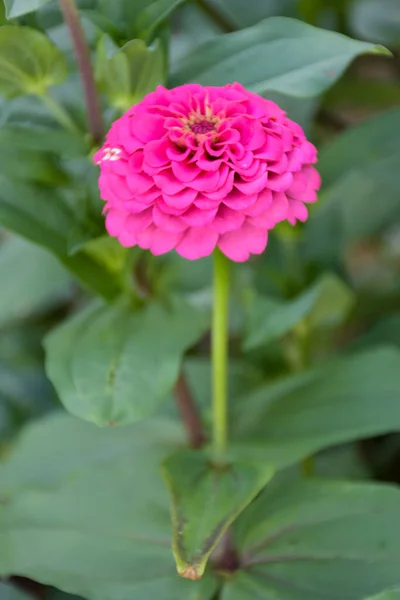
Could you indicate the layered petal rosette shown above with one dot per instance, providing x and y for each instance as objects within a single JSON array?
[{"x": 194, "y": 168}]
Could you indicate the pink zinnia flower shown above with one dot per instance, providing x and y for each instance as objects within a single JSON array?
[{"x": 196, "y": 167}]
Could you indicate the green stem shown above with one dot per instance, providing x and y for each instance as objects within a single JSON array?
[
  {"x": 82, "y": 53},
  {"x": 59, "y": 113},
  {"x": 220, "y": 354}
]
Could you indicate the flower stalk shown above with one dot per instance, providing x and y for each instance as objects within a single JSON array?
[
  {"x": 219, "y": 352},
  {"x": 189, "y": 413},
  {"x": 82, "y": 53}
]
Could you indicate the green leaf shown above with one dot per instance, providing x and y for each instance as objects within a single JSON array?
[
  {"x": 339, "y": 401},
  {"x": 153, "y": 15},
  {"x": 206, "y": 499},
  {"x": 390, "y": 595},
  {"x": 17, "y": 8},
  {"x": 111, "y": 365},
  {"x": 36, "y": 138},
  {"x": 298, "y": 59},
  {"x": 40, "y": 215},
  {"x": 317, "y": 539},
  {"x": 86, "y": 511},
  {"x": 29, "y": 62},
  {"x": 34, "y": 279},
  {"x": 127, "y": 74},
  {"x": 376, "y": 20},
  {"x": 358, "y": 167},
  {"x": 243, "y": 14},
  {"x": 326, "y": 304},
  {"x": 35, "y": 166}
]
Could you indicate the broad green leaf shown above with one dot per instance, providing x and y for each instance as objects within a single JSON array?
[
  {"x": 33, "y": 279},
  {"x": 358, "y": 167},
  {"x": 339, "y": 401},
  {"x": 297, "y": 59},
  {"x": 390, "y": 595},
  {"x": 41, "y": 167},
  {"x": 205, "y": 500},
  {"x": 317, "y": 539},
  {"x": 243, "y": 14},
  {"x": 385, "y": 331},
  {"x": 127, "y": 74},
  {"x": 10, "y": 592},
  {"x": 17, "y": 8},
  {"x": 376, "y": 20},
  {"x": 352, "y": 182},
  {"x": 29, "y": 62},
  {"x": 326, "y": 304},
  {"x": 87, "y": 511},
  {"x": 153, "y": 15},
  {"x": 36, "y": 138},
  {"x": 41, "y": 215},
  {"x": 113, "y": 365}
]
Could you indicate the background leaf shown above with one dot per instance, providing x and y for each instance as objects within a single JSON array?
[
  {"x": 41, "y": 215},
  {"x": 289, "y": 66},
  {"x": 357, "y": 168},
  {"x": 34, "y": 279},
  {"x": 29, "y": 62},
  {"x": 87, "y": 511},
  {"x": 376, "y": 20},
  {"x": 337, "y": 402},
  {"x": 326, "y": 304},
  {"x": 154, "y": 13},
  {"x": 127, "y": 74},
  {"x": 111, "y": 365},
  {"x": 16, "y": 8},
  {"x": 299, "y": 538},
  {"x": 390, "y": 595}
]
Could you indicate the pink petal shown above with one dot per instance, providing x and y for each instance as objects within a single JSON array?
[
  {"x": 177, "y": 153},
  {"x": 252, "y": 187},
  {"x": 239, "y": 201},
  {"x": 238, "y": 245},
  {"x": 168, "y": 183},
  {"x": 148, "y": 127},
  {"x": 196, "y": 217},
  {"x": 183, "y": 199},
  {"x": 197, "y": 243},
  {"x": 115, "y": 222},
  {"x": 280, "y": 183},
  {"x": 207, "y": 181},
  {"x": 157, "y": 241},
  {"x": 279, "y": 208},
  {"x": 203, "y": 202},
  {"x": 227, "y": 219},
  {"x": 184, "y": 171},
  {"x": 263, "y": 202},
  {"x": 155, "y": 153},
  {"x": 272, "y": 149},
  {"x": 139, "y": 221},
  {"x": 297, "y": 210},
  {"x": 171, "y": 223},
  {"x": 222, "y": 192},
  {"x": 139, "y": 183},
  {"x": 127, "y": 239}
]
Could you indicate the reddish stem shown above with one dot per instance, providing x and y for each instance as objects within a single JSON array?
[
  {"x": 189, "y": 413},
  {"x": 82, "y": 53}
]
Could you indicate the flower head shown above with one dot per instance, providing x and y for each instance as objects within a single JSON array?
[{"x": 196, "y": 167}]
